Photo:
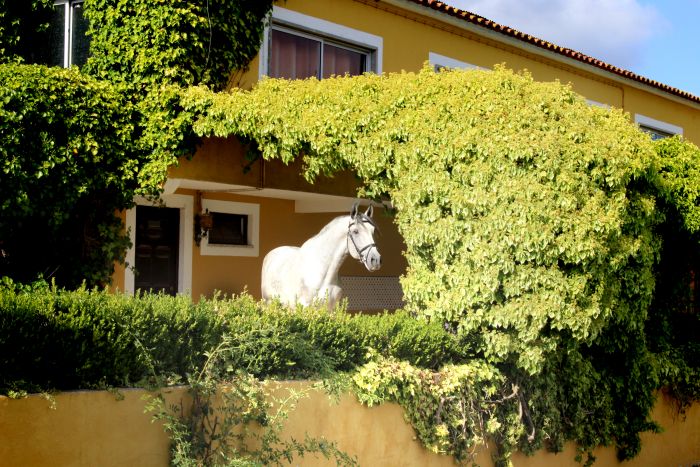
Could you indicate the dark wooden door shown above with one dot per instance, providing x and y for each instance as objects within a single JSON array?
[{"x": 157, "y": 247}]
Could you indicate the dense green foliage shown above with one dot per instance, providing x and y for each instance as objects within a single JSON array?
[
  {"x": 518, "y": 238},
  {"x": 147, "y": 44},
  {"x": 78, "y": 147},
  {"x": 674, "y": 320},
  {"x": 67, "y": 162},
  {"x": 534, "y": 226},
  {"x": 550, "y": 244},
  {"x": 23, "y": 30},
  {"x": 62, "y": 339}
]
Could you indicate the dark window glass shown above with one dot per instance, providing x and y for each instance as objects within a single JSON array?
[
  {"x": 55, "y": 50},
  {"x": 80, "y": 47},
  {"x": 57, "y": 37},
  {"x": 339, "y": 61},
  {"x": 294, "y": 57},
  {"x": 229, "y": 229}
]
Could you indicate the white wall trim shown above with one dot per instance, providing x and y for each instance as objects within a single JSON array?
[
  {"x": 657, "y": 124},
  {"x": 322, "y": 27},
  {"x": 232, "y": 207},
  {"x": 186, "y": 205},
  {"x": 448, "y": 62}
]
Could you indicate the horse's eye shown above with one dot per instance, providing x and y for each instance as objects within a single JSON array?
[{"x": 356, "y": 231}]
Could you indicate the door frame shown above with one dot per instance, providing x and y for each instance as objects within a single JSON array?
[{"x": 185, "y": 204}]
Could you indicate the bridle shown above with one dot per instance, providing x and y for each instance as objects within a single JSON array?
[{"x": 367, "y": 248}]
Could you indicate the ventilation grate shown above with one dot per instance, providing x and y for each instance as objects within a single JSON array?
[{"x": 372, "y": 292}]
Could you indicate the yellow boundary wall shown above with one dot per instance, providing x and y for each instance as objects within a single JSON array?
[{"x": 94, "y": 428}]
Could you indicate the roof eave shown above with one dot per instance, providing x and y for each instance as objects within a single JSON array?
[{"x": 620, "y": 76}]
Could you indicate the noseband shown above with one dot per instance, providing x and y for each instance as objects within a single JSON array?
[{"x": 366, "y": 248}]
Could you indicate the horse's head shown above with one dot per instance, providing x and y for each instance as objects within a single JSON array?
[{"x": 361, "y": 239}]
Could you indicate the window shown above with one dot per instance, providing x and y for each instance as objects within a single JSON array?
[
  {"x": 298, "y": 46},
  {"x": 68, "y": 43},
  {"x": 440, "y": 61},
  {"x": 295, "y": 55},
  {"x": 657, "y": 128},
  {"x": 228, "y": 229},
  {"x": 235, "y": 229}
]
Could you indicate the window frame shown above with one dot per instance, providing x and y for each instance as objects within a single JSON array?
[
  {"x": 442, "y": 61},
  {"x": 318, "y": 29},
  {"x": 67, "y": 29},
  {"x": 657, "y": 127},
  {"x": 233, "y": 207}
]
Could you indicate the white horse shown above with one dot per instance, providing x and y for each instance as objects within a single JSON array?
[{"x": 309, "y": 273}]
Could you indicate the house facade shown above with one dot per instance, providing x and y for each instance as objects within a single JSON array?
[{"x": 251, "y": 208}]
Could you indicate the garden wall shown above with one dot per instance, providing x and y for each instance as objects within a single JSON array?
[{"x": 90, "y": 428}]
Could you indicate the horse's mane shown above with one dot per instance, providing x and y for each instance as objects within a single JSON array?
[
  {"x": 360, "y": 216},
  {"x": 332, "y": 223}
]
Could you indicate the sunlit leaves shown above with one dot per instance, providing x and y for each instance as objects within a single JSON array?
[{"x": 514, "y": 197}]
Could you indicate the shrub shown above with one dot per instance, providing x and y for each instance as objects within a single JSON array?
[
  {"x": 525, "y": 211},
  {"x": 54, "y": 338},
  {"x": 534, "y": 224},
  {"x": 67, "y": 162}
]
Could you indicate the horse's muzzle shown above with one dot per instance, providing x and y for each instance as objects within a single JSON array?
[{"x": 373, "y": 260}]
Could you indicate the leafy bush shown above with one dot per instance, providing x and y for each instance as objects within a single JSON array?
[
  {"x": 77, "y": 147},
  {"x": 148, "y": 44},
  {"x": 534, "y": 226},
  {"x": 524, "y": 210},
  {"x": 67, "y": 162},
  {"x": 54, "y": 338},
  {"x": 23, "y": 30}
]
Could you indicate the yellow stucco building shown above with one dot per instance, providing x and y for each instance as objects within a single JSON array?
[{"x": 261, "y": 206}]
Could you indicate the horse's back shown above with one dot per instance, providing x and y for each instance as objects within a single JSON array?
[{"x": 279, "y": 271}]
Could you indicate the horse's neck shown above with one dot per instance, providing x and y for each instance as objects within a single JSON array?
[{"x": 328, "y": 250}]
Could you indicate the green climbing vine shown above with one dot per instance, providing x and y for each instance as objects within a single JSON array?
[
  {"x": 82, "y": 143},
  {"x": 534, "y": 226}
]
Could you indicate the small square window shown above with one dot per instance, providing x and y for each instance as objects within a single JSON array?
[
  {"x": 228, "y": 229},
  {"x": 235, "y": 229}
]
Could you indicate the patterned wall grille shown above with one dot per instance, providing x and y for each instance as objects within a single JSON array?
[{"x": 372, "y": 292}]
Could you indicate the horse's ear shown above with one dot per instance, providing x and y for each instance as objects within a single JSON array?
[
  {"x": 369, "y": 211},
  {"x": 353, "y": 211}
]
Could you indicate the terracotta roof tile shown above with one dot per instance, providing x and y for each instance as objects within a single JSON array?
[{"x": 573, "y": 54}]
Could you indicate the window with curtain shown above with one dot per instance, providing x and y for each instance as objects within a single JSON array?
[{"x": 296, "y": 55}]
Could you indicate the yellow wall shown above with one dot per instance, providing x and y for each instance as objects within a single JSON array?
[
  {"x": 94, "y": 429},
  {"x": 280, "y": 225},
  {"x": 408, "y": 38}
]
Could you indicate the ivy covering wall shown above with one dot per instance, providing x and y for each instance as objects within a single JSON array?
[
  {"x": 534, "y": 226},
  {"x": 78, "y": 145},
  {"x": 550, "y": 244}
]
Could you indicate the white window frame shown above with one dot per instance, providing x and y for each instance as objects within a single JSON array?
[
  {"x": 67, "y": 35},
  {"x": 653, "y": 124},
  {"x": 320, "y": 29},
  {"x": 231, "y": 207},
  {"x": 442, "y": 61},
  {"x": 593, "y": 103},
  {"x": 184, "y": 271}
]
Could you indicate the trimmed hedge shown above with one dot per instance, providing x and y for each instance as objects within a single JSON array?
[{"x": 56, "y": 339}]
